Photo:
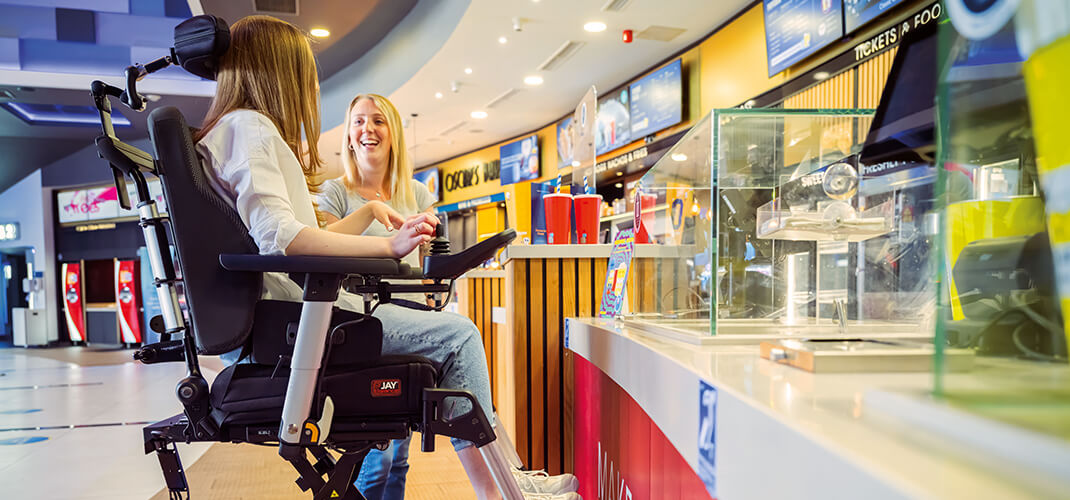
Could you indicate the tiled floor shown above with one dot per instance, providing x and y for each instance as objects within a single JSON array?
[
  {"x": 58, "y": 400},
  {"x": 89, "y": 453}
]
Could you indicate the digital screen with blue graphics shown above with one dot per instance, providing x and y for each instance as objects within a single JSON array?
[
  {"x": 857, "y": 13},
  {"x": 794, "y": 29},
  {"x": 657, "y": 100},
  {"x": 520, "y": 160},
  {"x": 428, "y": 178},
  {"x": 613, "y": 127}
]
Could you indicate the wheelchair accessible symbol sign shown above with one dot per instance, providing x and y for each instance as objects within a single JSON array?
[{"x": 707, "y": 436}]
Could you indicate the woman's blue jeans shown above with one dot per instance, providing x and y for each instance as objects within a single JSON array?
[{"x": 382, "y": 477}]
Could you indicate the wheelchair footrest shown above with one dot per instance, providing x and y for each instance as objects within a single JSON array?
[{"x": 471, "y": 426}]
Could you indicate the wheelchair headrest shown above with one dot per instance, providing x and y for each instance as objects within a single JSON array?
[{"x": 200, "y": 42}]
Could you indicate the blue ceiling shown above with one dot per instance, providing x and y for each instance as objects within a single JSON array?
[{"x": 87, "y": 36}]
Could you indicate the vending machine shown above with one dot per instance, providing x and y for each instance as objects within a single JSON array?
[
  {"x": 128, "y": 305},
  {"x": 74, "y": 301}
]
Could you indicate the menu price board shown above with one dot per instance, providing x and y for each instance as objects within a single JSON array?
[
  {"x": 657, "y": 100},
  {"x": 856, "y": 13},
  {"x": 794, "y": 29},
  {"x": 519, "y": 160}
]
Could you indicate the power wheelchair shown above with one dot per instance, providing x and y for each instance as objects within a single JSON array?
[{"x": 314, "y": 378}]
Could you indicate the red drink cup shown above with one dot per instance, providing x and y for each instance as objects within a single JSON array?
[
  {"x": 646, "y": 217},
  {"x": 558, "y": 218},
  {"x": 588, "y": 208}
]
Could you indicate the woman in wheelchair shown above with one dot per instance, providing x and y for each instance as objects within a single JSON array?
[
  {"x": 251, "y": 146},
  {"x": 374, "y": 197}
]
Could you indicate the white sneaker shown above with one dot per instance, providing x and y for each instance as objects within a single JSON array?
[
  {"x": 539, "y": 481},
  {"x": 548, "y": 496}
]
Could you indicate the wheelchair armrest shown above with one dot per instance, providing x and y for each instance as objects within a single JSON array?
[
  {"x": 454, "y": 265},
  {"x": 312, "y": 264}
]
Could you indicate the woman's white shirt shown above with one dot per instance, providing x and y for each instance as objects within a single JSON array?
[{"x": 252, "y": 168}]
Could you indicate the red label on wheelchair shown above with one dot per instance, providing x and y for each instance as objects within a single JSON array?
[{"x": 386, "y": 387}]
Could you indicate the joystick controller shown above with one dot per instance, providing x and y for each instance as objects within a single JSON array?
[{"x": 440, "y": 245}]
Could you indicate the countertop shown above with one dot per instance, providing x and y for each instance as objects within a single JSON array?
[{"x": 819, "y": 435}]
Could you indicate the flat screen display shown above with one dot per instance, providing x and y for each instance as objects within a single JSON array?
[
  {"x": 520, "y": 160},
  {"x": 613, "y": 126},
  {"x": 428, "y": 178},
  {"x": 657, "y": 100},
  {"x": 857, "y": 13},
  {"x": 564, "y": 142},
  {"x": 794, "y": 29}
]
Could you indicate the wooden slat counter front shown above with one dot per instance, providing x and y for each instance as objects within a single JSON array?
[
  {"x": 480, "y": 297},
  {"x": 544, "y": 284}
]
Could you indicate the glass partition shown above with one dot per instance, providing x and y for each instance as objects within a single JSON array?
[
  {"x": 771, "y": 227},
  {"x": 1000, "y": 296}
]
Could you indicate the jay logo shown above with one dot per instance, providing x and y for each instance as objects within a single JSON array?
[{"x": 386, "y": 387}]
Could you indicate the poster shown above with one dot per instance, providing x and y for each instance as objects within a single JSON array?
[{"x": 620, "y": 259}]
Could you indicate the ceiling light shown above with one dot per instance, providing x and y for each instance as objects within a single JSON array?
[
  {"x": 575, "y": 163},
  {"x": 502, "y": 40},
  {"x": 595, "y": 27},
  {"x": 319, "y": 33},
  {"x": 438, "y": 95},
  {"x": 821, "y": 75},
  {"x": 533, "y": 80},
  {"x": 679, "y": 157},
  {"x": 619, "y": 185},
  {"x": 468, "y": 71},
  {"x": 479, "y": 115},
  {"x": 620, "y": 174}
]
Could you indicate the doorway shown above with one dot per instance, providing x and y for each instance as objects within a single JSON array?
[{"x": 12, "y": 271}]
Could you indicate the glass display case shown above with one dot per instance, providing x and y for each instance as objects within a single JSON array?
[
  {"x": 772, "y": 228},
  {"x": 1001, "y": 283}
]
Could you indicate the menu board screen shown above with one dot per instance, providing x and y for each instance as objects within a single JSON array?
[
  {"x": 859, "y": 12},
  {"x": 520, "y": 160},
  {"x": 794, "y": 29},
  {"x": 428, "y": 178},
  {"x": 657, "y": 100},
  {"x": 613, "y": 123}
]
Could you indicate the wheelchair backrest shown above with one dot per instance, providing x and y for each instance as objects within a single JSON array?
[{"x": 203, "y": 225}]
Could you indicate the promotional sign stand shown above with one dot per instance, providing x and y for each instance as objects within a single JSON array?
[{"x": 73, "y": 301}]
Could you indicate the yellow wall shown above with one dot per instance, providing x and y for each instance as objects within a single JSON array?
[{"x": 733, "y": 63}]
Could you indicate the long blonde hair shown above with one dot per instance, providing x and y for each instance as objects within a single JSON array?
[
  {"x": 270, "y": 68},
  {"x": 399, "y": 169}
]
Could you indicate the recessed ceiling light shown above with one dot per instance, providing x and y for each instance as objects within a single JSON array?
[
  {"x": 438, "y": 95},
  {"x": 319, "y": 33},
  {"x": 619, "y": 174},
  {"x": 468, "y": 71},
  {"x": 595, "y": 27},
  {"x": 479, "y": 115},
  {"x": 533, "y": 80},
  {"x": 679, "y": 157},
  {"x": 502, "y": 40},
  {"x": 821, "y": 75},
  {"x": 619, "y": 185}
]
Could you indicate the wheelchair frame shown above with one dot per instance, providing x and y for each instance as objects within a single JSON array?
[{"x": 299, "y": 434}]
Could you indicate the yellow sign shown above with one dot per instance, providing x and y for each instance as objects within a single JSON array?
[{"x": 334, "y": 494}]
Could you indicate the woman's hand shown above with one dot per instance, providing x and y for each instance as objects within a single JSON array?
[
  {"x": 384, "y": 214},
  {"x": 417, "y": 229}
]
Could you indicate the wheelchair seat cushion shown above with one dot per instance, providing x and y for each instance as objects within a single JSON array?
[{"x": 388, "y": 388}]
